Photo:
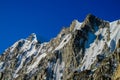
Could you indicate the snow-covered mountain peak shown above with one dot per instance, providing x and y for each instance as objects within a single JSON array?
[
  {"x": 82, "y": 51},
  {"x": 32, "y": 37}
]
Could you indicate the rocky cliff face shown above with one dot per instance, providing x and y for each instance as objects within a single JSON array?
[{"x": 84, "y": 51}]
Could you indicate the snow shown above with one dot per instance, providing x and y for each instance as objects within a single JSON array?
[
  {"x": 92, "y": 36},
  {"x": 40, "y": 54},
  {"x": 1, "y": 65},
  {"x": 91, "y": 54},
  {"x": 93, "y": 48},
  {"x": 98, "y": 32},
  {"x": 64, "y": 42},
  {"x": 26, "y": 46},
  {"x": 21, "y": 65},
  {"x": 102, "y": 33},
  {"x": 78, "y": 25},
  {"x": 104, "y": 30},
  {"x": 114, "y": 35},
  {"x": 34, "y": 65},
  {"x": 32, "y": 37},
  {"x": 32, "y": 51},
  {"x": 58, "y": 70},
  {"x": 15, "y": 45},
  {"x": 15, "y": 75},
  {"x": 21, "y": 60},
  {"x": 50, "y": 49},
  {"x": 97, "y": 46},
  {"x": 115, "y": 30}
]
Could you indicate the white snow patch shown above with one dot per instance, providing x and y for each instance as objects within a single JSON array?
[
  {"x": 34, "y": 65},
  {"x": 50, "y": 49},
  {"x": 15, "y": 75},
  {"x": 99, "y": 31},
  {"x": 1, "y": 65},
  {"x": 91, "y": 54},
  {"x": 115, "y": 30},
  {"x": 64, "y": 42},
  {"x": 21, "y": 65},
  {"x": 26, "y": 46},
  {"x": 114, "y": 34},
  {"x": 97, "y": 46},
  {"x": 32, "y": 51},
  {"x": 22, "y": 59},
  {"x": 34, "y": 38},
  {"x": 58, "y": 70},
  {"x": 15, "y": 45},
  {"x": 78, "y": 25}
]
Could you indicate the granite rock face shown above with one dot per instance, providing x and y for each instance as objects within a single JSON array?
[{"x": 89, "y": 50}]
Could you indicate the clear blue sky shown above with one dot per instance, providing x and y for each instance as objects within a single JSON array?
[{"x": 20, "y": 18}]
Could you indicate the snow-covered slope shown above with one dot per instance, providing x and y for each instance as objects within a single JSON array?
[
  {"x": 81, "y": 48},
  {"x": 97, "y": 46}
]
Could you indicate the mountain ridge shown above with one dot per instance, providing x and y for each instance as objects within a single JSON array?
[{"x": 81, "y": 51}]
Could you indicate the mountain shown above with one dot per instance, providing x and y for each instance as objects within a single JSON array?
[{"x": 88, "y": 50}]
